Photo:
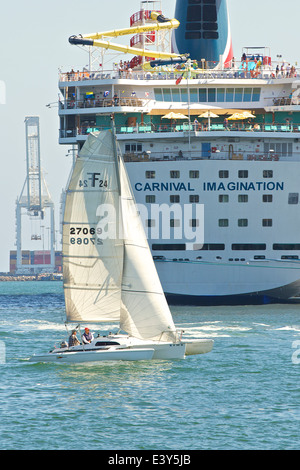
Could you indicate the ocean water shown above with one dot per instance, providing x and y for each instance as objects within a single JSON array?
[{"x": 245, "y": 394}]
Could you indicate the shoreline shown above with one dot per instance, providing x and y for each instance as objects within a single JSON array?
[{"x": 30, "y": 277}]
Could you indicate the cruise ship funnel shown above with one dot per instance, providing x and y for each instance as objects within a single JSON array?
[{"x": 204, "y": 31}]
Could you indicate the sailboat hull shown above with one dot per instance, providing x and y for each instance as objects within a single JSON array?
[
  {"x": 200, "y": 346},
  {"x": 167, "y": 351},
  {"x": 76, "y": 357},
  {"x": 162, "y": 350}
]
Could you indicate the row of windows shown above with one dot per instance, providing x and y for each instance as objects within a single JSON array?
[
  {"x": 293, "y": 198},
  {"x": 284, "y": 149},
  {"x": 208, "y": 95},
  {"x": 234, "y": 247},
  {"x": 151, "y": 174},
  {"x": 245, "y": 174},
  {"x": 174, "y": 223},
  {"x": 244, "y": 222}
]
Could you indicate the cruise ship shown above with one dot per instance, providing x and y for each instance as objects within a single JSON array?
[{"x": 211, "y": 144}]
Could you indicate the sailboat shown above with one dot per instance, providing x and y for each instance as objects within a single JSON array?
[{"x": 109, "y": 273}]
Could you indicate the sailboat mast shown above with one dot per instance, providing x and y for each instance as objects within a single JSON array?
[{"x": 116, "y": 153}]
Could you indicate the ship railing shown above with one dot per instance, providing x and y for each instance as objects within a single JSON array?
[
  {"x": 103, "y": 103},
  {"x": 283, "y": 100},
  {"x": 195, "y": 128},
  {"x": 204, "y": 70}
]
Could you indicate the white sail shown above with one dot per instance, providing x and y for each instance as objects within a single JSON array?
[
  {"x": 145, "y": 313},
  {"x": 110, "y": 278},
  {"x": 92, "y": 264}
]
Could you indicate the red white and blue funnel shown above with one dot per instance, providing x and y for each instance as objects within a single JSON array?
[{"x": 204, "y": 31}]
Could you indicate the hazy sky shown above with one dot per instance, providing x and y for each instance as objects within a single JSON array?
[{"x": 34, "y": 44}]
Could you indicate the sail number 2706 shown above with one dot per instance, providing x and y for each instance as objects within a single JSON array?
[{"x": 83, "y": 238}]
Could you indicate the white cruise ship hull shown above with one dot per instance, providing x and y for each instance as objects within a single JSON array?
[
  {"x": 209, "y": 283},
  {"x": 249, "y": 252}
]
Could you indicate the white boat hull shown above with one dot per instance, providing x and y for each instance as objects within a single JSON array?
[
  {"x": 162, "y": 350},
  {"x": 199, "y": 346},
  {"x": 168, "y": 350},
  {"x": 95, "y": 356}
]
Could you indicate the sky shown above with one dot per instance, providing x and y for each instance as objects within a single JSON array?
[{"x": 34, "y": 44}]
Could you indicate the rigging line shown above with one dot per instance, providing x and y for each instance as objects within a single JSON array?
[{"x": 142, "y": 291}]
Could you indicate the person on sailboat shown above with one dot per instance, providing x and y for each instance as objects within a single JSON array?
[
  {"x": 73, "y": 340},
  {"x": 87, "y": 336}
]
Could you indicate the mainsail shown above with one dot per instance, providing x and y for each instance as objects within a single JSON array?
[
  {"x": 92, "y": 266},
  {"x": 109, "y": 276}
]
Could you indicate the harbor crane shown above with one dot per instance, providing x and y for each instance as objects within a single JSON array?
[{"x": 35, "y": 199}]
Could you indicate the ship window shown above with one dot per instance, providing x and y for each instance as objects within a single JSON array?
[
  {"x": 150, "y": 199},
  {"x": 243, "y": 173},
  {"x": 193, "y": 26},
  {"x": 194, "y": 13},
  {"x": 247, "y": 94},
  {"x": 194, "y": 222},
  {"x": 221, "y": 95},
  {"x": 293, "y": 198},
  {"x": 158, "y": 94},
  {"x": 174, "y": 198},
  {"x": 267, "y": 198},
  {"x": 194, "y": 174},
  {"x": 150, "y": 223},
  {"x": 223, "y": 198},
  {"x": 268, "y": 174},
  {"x": 211, "y": 94},
  {"x": 290, "y": 257},
  {"x": 223, "y": 174},
  {"x": 184, "y": 95},
  {"x": 194, "y": 198},
  {"x": 248, "y": 246},
  {"x": 193, "y": 35},
  {"x": 174, "y": 174},
  {"x": 243, "y": 198},
  {"x": 209, "y": 247},
  {"x": 194, "y": 96},
  {"x": 286, "y": 246},
  {"x": 209, "y": 13},
  {"x": 210, "y": 35},
  {"x": 267, "y": 222},
  {"x": 202, "y": 95},
  {"x": 223, "y": 222},
  {"x": 174, "y": 223},
  {"x": 229, "y": 94},
  {"x": 210, "y": 26},
  {"x": 167, "y": 94},
  {"x": 242, "y": 222},
  {"x": 169, "y": 247},
  {"x": 259, "y": 257},
  {"x": 106, "y": 343},
  {"x": 238, "y": 94},
  {"x": 150, "y": 174},
  {"x": 176, "y": 95},
  {"x": 256, "y": 94}
]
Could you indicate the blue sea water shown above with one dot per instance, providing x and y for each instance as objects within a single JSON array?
[{"x": 245, "y": 394}]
